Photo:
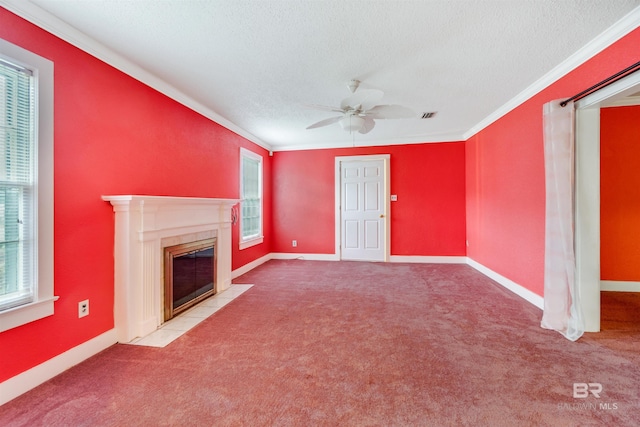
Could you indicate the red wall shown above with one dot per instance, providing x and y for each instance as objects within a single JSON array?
[
  {"x": 112, "y": 135},
  {"x": 505, "y": 174},
  {"x": 428, "y": 218},
  {"x": 620, "y": 193}
]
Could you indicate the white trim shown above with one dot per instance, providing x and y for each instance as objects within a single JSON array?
[
  {"x": 517, "y": 289},
  {"x": 308, "y": 257},
  {"x": 250, "y": 266},
  {"x": 621, "y": 28},
  {"x": 144, "y": 226},
  {"x": 629, "y": 101},
  {"x": 59, "y": 28},
  {"x": 426, "y": 139},
  {"x": 254, "y": 240},
  {"x": 27, "y": 380},
  {"x": 587, "y": 235},
  {"x": 612, "y": 94},
  {"x": 614, "y": 33},
  {"x": 619, "y": 286},
  {"x": 43, "y": 305},
  {"x": 23, "y": 314},
  {"x": 587, "y": 215},
  {"x": 66, "y": 32},
  {"x": 429, "y": 259},
  {"x": 387, "y": 199},
  {"x": 251, "y": 242}
]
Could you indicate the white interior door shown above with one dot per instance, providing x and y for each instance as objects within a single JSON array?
[{"x": 362, "y": 210}]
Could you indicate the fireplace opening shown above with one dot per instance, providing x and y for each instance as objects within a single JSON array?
[{"x": 189, "y": 275}]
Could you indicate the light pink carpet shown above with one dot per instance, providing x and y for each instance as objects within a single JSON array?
[{"x": 353, "y": 344}]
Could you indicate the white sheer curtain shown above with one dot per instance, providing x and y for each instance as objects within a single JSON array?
[{"x": 561, "y": 299}]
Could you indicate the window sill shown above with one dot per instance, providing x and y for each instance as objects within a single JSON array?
[
  {"x": 251, "y": 242},
  {"x": 21, "y": 315}
]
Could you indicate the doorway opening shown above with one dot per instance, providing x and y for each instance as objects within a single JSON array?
[{"x": 587, "y": 203}]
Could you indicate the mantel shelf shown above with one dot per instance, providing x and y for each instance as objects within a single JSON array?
[{"x": 167, "y": 200}]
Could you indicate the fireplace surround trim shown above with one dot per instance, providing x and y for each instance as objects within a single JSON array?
[{"x": 143, "y": 226}]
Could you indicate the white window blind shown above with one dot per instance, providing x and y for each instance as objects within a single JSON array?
[
  {"x": 17, "y": 186},
  {"x": 251, "y": 194}
]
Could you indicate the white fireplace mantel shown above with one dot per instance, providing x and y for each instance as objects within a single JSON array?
[{"x": 144, "y": 225}]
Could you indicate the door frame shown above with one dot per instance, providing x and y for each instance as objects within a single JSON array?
[
  {"x": 587, "y": 198},
  {"x": 387, "y": 200}
]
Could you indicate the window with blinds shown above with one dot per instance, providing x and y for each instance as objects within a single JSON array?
[
  {"x": 251, "y": 195},
  {"x": 17, "y": 185}
]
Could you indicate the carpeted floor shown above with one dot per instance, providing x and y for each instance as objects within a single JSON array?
[{"x": 355, "y": 344}]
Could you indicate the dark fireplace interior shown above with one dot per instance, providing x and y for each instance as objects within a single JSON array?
[{"x": 189, "y": 275}]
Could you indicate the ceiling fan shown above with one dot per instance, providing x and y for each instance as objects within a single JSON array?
[{"x": 360, "y": 110}]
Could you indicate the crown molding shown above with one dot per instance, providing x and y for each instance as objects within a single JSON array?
[
  {"x": 378, "y": 143},
  {"x": 59, "y": 28},
  {"x": 614, "y": 33}
]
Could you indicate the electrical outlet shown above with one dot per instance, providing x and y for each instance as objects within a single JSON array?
[
  {"x": 294, "y": 243},
  {"x": 83, "y": 308}
]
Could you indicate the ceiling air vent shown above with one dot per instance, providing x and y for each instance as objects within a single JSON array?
[{"x": 428, "y": 115}]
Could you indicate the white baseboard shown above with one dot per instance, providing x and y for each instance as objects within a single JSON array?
[
  {"x": 308, "y": 257},
  {"x": 281, "y": 255},
  {"x": 250, "y": 266},
  {"x": 25, "y": 381},
  {"x": 619, "y": 286},
  {"x": 429, "y": 259},
  {"x": 21, "y": 383},
  {"x": 517, "y": 289}
]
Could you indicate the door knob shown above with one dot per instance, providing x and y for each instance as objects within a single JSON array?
[{"x": 381, "y": 215}]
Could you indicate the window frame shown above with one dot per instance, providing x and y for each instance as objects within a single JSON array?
[
  {"x": 43, "y": 297},
  {"x": 259, "y": 238}
]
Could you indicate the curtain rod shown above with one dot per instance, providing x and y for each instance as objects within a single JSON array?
[{"x": 606, "y": 82}]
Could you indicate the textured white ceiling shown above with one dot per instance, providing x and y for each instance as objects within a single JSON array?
[{"x": 259, "y": 63}]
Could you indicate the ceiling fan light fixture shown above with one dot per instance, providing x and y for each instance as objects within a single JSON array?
[
  {"x": 352, "y": 123},
  {"x": 361, "y": 110}
]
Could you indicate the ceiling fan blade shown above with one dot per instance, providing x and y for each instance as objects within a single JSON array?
[
  {"x": 366, "y": 98},
  {"x": 390, "y": 112},
  {"x": 367, "y": 125},
  {"x": 323, "y": 108},
  {"x": 325, "y": 122}
]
